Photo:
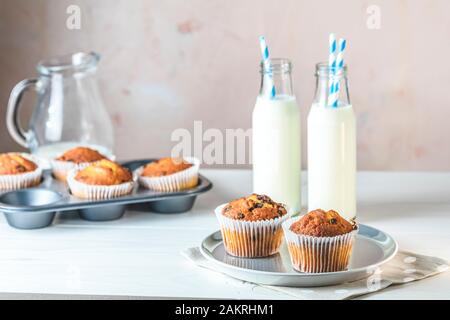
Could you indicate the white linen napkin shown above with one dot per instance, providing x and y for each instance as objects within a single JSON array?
[{"x": 404, "y": 267}]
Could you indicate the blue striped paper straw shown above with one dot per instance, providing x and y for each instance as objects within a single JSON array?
[
  {"x": 340, "y": 56},
  {"x": 267, "y": 67},
  {"x": 332, "y": 53},
  {"x": 339, "y": 67},
  {"x": 332, "y": 66}
]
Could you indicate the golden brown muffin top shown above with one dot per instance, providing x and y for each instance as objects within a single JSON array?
[
  {"x": 80, "y": 155},
  {"x": 104, "y": 173},
  {"x": 320, "y": 223},
  {"x": 165, "y": 167},
  {"x": 254, "y": 208},
  {"x": 13, "y": 163}
]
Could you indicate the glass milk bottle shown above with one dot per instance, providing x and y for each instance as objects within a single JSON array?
[
  {"x": 332, "y": 147},
  {"x": 276, "y": 137}
]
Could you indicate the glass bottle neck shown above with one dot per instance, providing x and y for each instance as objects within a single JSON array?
[
  {"x": 331, "y": 86},
  {"x": 276, "y": 79}
]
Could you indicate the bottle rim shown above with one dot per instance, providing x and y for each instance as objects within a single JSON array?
[
  {"x": 323, "y": 69},
  {"x": 276, "y": 65},
  {"x": 73, "y": 62}
]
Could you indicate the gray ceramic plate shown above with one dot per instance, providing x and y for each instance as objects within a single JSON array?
[{"x": 372, "y": 248}]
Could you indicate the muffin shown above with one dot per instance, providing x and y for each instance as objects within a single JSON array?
[
  {"x": 251, "y": 226},
  {"x": 320, "y": 241},
  {"x": 169, "y": 174},
  {"x": 18, "y": 171},
  {"x": 103, "y": 179},
  {"x": 78, "y": 157}
]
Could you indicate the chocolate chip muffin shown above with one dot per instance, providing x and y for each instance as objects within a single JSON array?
[
  {"x": 253, "y": 208},
  {"x": 320, "y": 241},
  {"x": 81, "y": 155},
  {"x": 14, "y": 163},
  {"x": 251, "y": 226},
  {"x": 100, "y": 180},
  {"x": 165, "y": 167},
  {"x": 78, "y": 157},
  {"x": 169, "y": 174},
  {"x": 104, "y": 173},
  {"x": 18, "y": 171},
  {"x": 320, "y": 223}
]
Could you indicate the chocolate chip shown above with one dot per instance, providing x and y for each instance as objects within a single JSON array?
[
  {"x": 263, "y": 198},
  {"x": 333, "y": 221},
  {"x": 240, "y": 215},
  {"x": 258, "y": 205}
]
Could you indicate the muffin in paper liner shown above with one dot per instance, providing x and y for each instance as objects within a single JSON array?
[
  {"x": 10, "y": 182},
  {"x": 178, "y": 181},
  {"x": 97, "y": 192},
  {"x": 61, "y": 168},
  {"x": 250, "y": 239},
  {"x": 318, "y": 254}
]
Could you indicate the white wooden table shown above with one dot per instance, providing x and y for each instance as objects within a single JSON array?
[{"x": 139, "y": 255}]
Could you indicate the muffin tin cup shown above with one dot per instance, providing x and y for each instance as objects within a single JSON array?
[
  {"x": 22, "y": 180},
  {"x": 250, "y": 239},
  {"x": 29, "y": 221},
  {"x": 105, "y": 213},
  {"x": 36, "y": 207},
  {"x": 175, "y": 182},
  {"x": 318, "y": 254},
  {"x": 35, "y": 198},
  {"x": 96, "y": 192},
  {"x": 174, "y": 205}
]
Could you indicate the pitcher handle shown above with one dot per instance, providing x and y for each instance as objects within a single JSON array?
[{"x": 12, "y": 113}]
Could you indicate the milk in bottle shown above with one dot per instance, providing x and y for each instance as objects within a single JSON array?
[
  {"x": 332, "y": 149},
  {"x": 276, "y": 138}
]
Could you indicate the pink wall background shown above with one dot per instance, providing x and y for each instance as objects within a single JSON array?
[{"x": 168, "y": 63}]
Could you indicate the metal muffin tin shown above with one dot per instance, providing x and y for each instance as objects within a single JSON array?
[{"x": 36, "y": 207}]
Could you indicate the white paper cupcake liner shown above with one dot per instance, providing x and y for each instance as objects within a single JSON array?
[
  {"x": 181, "y": 180},
  {"x": 318, "y": 254},
  {"x": 96, "y": 192},
  {"x": 61, "y": 168},
  {"x": 9, "y": 182},
  {"x": 250, "y": 239}
]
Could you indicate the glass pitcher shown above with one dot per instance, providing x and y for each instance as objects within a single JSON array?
[{"x": 69, "y": 111}]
